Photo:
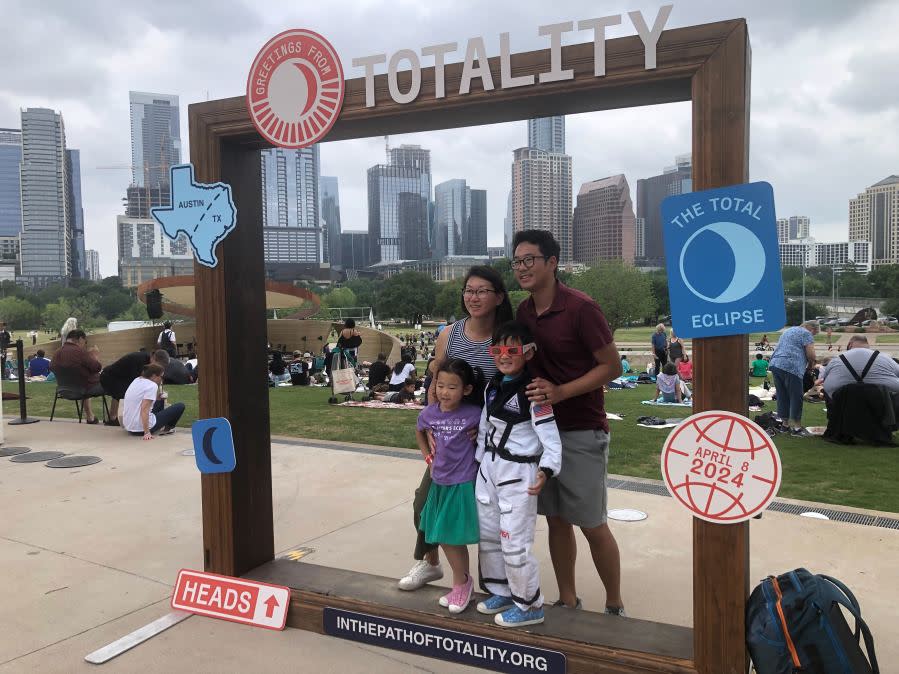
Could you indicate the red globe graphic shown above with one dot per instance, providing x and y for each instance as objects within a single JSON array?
[{"x": 721, "y": 466}]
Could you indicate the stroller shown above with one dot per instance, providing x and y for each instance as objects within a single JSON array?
[{"x": 344, "y": 375}]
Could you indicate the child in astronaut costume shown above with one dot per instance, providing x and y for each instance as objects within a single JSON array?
[{"x": 518, "y": 449}]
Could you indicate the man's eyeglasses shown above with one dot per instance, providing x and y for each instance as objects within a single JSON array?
[
  {"x": 510, "y": 350},
  {"x": 527, "y": 261},
  {"x": 480, "y": 293}
]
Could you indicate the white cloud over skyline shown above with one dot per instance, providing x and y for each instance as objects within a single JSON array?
[{"x": 825, "y": 100}]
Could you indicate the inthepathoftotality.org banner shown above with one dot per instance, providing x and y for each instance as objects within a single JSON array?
[{"x": 433, "y": 642}]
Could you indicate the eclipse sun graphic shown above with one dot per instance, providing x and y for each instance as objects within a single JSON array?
[{"x": 295, "y": 89}]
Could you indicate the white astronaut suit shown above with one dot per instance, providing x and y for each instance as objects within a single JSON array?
[{"x": 515, "y": 439}]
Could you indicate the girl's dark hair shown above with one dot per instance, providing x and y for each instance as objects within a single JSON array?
[
  {"x": 669, "y": 368},
  {"x": 493, "y": 277},
  {"x": 470, "y": 376},
  {"x": 401, "y": 363},
  {"x": 349, "y": 323}
]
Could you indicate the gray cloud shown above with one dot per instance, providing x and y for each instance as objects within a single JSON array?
[{"x": 824, "y": 116}]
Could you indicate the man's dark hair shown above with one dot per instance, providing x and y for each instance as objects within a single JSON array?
[
  {"x": 40, "y": 353},
  {"x": 513, "y": 330},
  {"x": 76, "y": 335},
  {"x": 758, "y": 356},
  {"x": 540, "y": 238},
  {"x": 167, "y": 325},
  {"x": 161, "y": 356}
]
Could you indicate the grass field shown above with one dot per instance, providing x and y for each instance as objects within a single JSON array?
[
  {"x": 644, "y": 334},
  {"x": 814, "y": 470}
]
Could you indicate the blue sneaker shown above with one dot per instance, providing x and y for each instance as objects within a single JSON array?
[
  {"x": 515, "y": 617},
  {"x": 495, "y": 604}
]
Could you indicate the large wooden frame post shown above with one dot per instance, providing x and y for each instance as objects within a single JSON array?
[{"x": 708, "y": 64}]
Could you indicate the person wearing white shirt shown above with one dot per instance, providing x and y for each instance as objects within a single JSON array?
[
  {"x": 143, "y": 408},
  {"x": 402, "y": 371}
]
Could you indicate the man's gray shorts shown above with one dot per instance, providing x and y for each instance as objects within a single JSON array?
[{"x": 578, "y": 495}]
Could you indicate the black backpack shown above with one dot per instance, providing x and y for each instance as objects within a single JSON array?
[
  {"x": 165, "y": 341},
  {"x": 794, "y": 623}
]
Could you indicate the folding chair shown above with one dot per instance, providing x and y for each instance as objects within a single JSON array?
[{"x": 69, "y": 387}]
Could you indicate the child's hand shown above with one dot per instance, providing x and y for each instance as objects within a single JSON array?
[{"x": 535, "y": 488}]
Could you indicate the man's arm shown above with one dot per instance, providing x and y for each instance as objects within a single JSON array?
[
  {"x": 607, "y": 368},
  {"x": 145, "y": 406}
]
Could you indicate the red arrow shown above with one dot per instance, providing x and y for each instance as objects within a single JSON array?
[{"x": 270, "y": 605}]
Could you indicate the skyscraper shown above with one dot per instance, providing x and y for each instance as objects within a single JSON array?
[
  {"x": 76, "y": 213},
  {"x": 92, "y": 265},
  {"x": 10, "y": 186},
  {"x": 355, "y": 250},
  {"x": 146, "y": 253},
  {"x": 651, "y": 192},
  {"x": 794, "y": 228},
  {"x": 541, "y": 189},
  {"x": 291, "y": 216},
  {"x": 399, "y": 206},
  {"x": 508, "y": 230},
  {"x": 330, "y": 206},
  {"x": 155, "y": 138},
  {"x": 460, "y": 219},
  {"x": 874, "y": 217},
  {"x": 604, "y": 223},
  {"x": 547, "y": 133},
  {"x": 46, "y": 226}
]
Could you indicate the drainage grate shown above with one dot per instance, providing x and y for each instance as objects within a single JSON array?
[
  {"x": 35, "y": 457},
  {"x": 776, "y": 506},
  {"x": 73, "y": 461},
  {"x": 14, "y": 451}
]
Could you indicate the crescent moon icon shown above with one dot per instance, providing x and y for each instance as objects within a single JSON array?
[
  {"x": 749, "y": 261},
  {"x": 311, "y": 86},
  {"x": 207, "y": 446}
]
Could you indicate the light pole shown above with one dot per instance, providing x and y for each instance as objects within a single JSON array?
[{"x": 804, "y": 262}]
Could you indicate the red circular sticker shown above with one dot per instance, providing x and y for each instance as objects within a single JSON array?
[
  {"x": 295, "y": 89},
  {"x": 721, "y": 466}
]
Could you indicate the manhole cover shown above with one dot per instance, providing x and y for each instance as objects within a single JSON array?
[
  {"x": 14, "y": 451},
  {"x": 34, "y": 457},
  {"x": 73, "y": 461},
  {"x": 627, "y": 515}
]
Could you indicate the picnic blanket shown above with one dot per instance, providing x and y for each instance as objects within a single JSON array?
[
  {"x": 381, "y": 405},
  {"x": 614, "y": 417},
  {"x": 667, "y": 424},
  {"x": 762, "y": 393},
  {"x": 656, "y": 402}
]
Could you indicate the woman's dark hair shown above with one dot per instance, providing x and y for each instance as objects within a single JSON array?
[
  {"x": 512, "y": 330},
  {"x": 493, "y": 277},
  {"x": 461, "y": 369},
  {"x": 276, "y": 355},
  {"x": 76, "y": 334},
  {"x": 623, "y": 357},
  {"x": 669, "y": 368},
  {"x": 349, "y": 323},
  {"x": 401, "y": 363},
  {"x": 541, "y": 238}
]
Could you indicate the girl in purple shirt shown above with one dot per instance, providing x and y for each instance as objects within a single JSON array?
[{"x": 450, "y": 516}]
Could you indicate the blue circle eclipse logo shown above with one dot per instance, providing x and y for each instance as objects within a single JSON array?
[{"x": 732, "y": 260}]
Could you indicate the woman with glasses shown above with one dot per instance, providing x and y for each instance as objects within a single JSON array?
[{"x": 486, "y": 303}]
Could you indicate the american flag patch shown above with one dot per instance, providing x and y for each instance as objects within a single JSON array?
[{"x": 543, "y": 410}]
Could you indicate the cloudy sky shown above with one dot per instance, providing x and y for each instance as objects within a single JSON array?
[{"x": 825, "y": 100}]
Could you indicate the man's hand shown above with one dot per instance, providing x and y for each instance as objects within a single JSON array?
[
  {"x": 535, "y": 488},
  {"x": 542, "y": 391},
  {"x": 148, "y": 435}
]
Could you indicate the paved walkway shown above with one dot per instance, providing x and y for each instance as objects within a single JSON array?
[{"x": 90, "y": 554}]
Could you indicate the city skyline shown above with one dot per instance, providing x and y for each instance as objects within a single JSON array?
[{"x": 831, "y": 113}]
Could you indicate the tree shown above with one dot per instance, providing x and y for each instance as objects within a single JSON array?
[
  {"x": 885, "y": 280},
  {"x": 137, "y": 311},
  {"x": 516, "y": 297},
  {"x": 409, "y": 295},
  {"x": 794, "y": 311},
  {"x": 658, "y": 281},
  {"x": 504, "y": 267},
  {"x": 853, "y": 284},
  {"x": 340, "y": 297},
  {"x": 19, "y": 314},
  {"x": 114, "y": 303},
  {"x": 623, "y": 292},
  {"x": 449, "y": 299}
]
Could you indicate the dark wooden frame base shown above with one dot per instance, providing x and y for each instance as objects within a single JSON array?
[{"x": 708, "y": 65}]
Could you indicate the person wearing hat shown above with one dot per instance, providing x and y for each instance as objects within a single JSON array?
[{"x": 299, "y": 370}]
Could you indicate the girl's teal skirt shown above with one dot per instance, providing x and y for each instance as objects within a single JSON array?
[{"x": 450, "y": 515}]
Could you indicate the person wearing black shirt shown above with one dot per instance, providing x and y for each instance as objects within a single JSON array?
[
  {"x": 117, "y": 377},
  {"x": 176, "y": 373},
  {"x": 5, "y": 341},
  {"x": 378, "y": 372}
]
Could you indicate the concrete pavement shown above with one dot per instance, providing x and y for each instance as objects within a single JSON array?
[{"x": 90, "y": 554}]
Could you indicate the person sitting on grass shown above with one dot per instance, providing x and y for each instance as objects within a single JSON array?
[
  {"x": 758, "y": 367},
  {"x": 378, "y": 372},
  {"x": 668, "y": 384},
  {"x": 143, "y": 408},
  {"x": 625, "y": 366},
  {"x": 402, "y": 371},
  {"x": 39, "y": 365},
  {"x": 402, "y": 397},
  {"x": 278, "y": 369}
]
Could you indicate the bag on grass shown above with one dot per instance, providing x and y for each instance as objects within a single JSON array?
[
  {"x": 795, "y": 623},
  {"x": 344, "y": 380}
]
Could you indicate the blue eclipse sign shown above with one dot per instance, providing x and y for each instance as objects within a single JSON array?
[
  {"x": 723, "y": 261},
  {"x": 213, "y": 445}
]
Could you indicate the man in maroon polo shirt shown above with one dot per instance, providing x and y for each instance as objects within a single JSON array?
[{"x": 575, "y": 357}]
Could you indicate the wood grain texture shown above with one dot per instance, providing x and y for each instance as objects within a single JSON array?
[
  {"x": 721, "y": 552},
  {"x": 591, "y": 642}
]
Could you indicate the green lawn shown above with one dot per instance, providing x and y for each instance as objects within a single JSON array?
[
  {"x": 814, "y": 470},
  {"x": 644, "y": 334},
  {"x": 886, "y": 338}
]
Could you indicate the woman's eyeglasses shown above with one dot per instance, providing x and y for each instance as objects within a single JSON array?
[
  {"x": 480, "y": 293},
  {"x": 510, "y": 350}
]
